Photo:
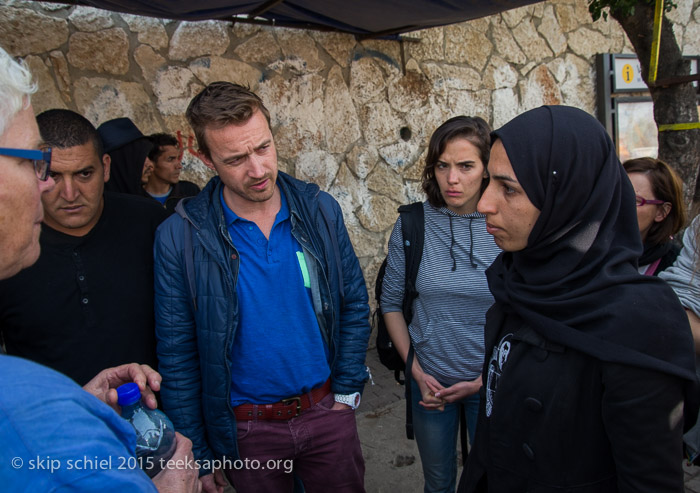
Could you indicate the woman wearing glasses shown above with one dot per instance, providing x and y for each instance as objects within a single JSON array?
[
  {"x": 588, "y": 363},
  {"x": 660, "y": 211}
]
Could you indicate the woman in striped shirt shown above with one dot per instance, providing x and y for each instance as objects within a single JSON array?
[{"x": 447, "y": 327}]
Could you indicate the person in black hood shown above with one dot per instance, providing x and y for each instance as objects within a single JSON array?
[
  {"x": 129, "y": 150},
  {"x": 660, "y": 211},
  {"x": 588, "y": 363}
]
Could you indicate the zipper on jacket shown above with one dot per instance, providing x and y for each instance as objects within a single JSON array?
[{"x": 306, "y": 244}]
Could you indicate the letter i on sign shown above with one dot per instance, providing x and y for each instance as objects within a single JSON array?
[{"x": 627, "y": 73}]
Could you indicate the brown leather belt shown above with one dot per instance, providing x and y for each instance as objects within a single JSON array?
[{"x": 285, "y": 409}]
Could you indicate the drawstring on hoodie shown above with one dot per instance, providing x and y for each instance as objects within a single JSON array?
[
  {"x": 471, "y": 244},
  {"x": 452, "y": 244}
]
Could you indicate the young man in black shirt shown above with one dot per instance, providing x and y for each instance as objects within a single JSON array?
[
  {"x": 88, "y": 301},
  {"x": 164, "y": 184}
]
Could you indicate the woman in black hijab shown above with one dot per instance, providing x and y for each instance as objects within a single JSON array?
[
  {"x": 128, "y": 149},
  {"x": 588, "y": 362}
]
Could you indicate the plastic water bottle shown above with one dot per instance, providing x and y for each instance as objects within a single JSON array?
[{"x": 155, "y": 434}]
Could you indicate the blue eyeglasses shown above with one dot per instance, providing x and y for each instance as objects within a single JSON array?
[{"x": 40, "y": 159}]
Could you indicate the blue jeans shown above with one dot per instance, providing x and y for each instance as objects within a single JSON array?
[{"x": 436, "y": 436}]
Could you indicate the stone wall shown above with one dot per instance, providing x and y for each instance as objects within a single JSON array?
[{"x": 354, "y": 117}]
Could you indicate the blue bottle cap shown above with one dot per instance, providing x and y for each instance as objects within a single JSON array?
[{"x": 129, "y": 393}]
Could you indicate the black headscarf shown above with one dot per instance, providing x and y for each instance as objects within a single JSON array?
[
  {"x": 127, "y": 167},
  {"x": 576, "y": 282}
]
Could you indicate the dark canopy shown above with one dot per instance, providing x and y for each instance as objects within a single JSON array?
[{"x": 365, "y": 18}]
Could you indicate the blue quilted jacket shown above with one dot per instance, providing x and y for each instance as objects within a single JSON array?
[{"x": 195, "y": 326}]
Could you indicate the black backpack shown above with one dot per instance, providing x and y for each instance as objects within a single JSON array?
[{"x": 412, "y": 228}]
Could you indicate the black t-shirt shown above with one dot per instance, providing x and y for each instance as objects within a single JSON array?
[
  {"x": 87, "y": 303},
  {"x": 180, "y": 191}
]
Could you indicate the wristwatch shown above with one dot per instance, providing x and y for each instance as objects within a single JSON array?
[{"x": 352, "y": 400}]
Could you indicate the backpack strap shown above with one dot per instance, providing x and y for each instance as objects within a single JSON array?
[
  {"x": 413, "y": 232},
  {"x": 409, "y": 403}
]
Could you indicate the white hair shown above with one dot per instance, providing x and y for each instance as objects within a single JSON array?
[{"x": 16, "y": 87}]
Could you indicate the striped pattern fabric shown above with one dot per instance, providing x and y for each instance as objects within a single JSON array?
[{"x": 447, "y": 329}]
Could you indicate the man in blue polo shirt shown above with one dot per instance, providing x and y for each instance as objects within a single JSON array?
[
  {"x": 261, "y": 313},
  {"x": 257, "y": 376}
]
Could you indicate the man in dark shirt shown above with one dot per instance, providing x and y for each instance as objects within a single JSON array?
[
  {"x": 164, "y": 184},
  {"x": 88, "y": 301}
]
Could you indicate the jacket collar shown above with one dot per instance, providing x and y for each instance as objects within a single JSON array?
[{"x": 206, "y": 207}]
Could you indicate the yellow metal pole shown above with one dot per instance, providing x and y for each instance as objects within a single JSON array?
[
  {"x": 654, "y": 62},
  {"x": 654, "y": 66}
]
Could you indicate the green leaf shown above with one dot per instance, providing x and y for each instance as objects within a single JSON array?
[{"x": 621, "y": 8}]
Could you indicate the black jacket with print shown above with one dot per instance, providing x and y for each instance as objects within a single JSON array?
[{"x": 553, "y": 419}]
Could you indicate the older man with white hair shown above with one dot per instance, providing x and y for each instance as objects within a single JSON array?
[{"x": 54, "y": 435}]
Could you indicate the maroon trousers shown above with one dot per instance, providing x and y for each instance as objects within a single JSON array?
[{"x": 320, "y": 446}]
